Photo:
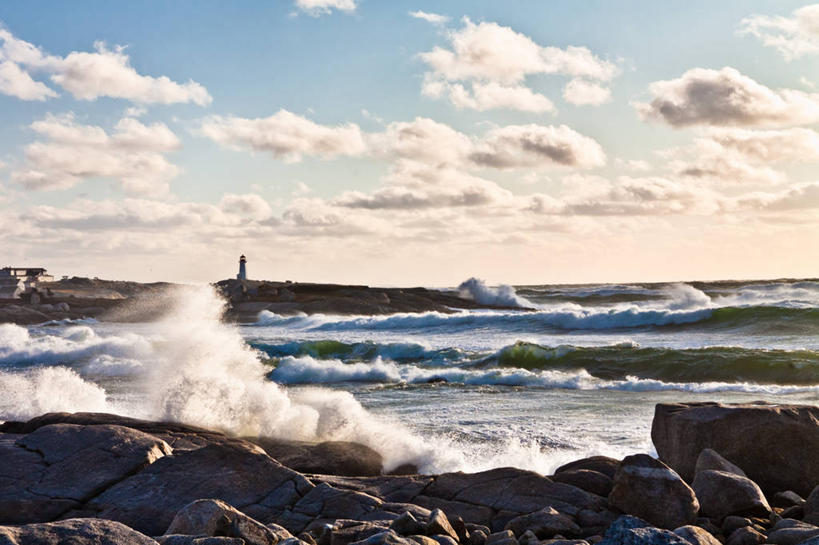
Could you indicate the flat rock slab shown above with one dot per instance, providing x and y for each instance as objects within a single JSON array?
[
  {"x": 775, "y": 445},
  {"x": 243, "y": 476},
  {"x": 73, "y": 532}
]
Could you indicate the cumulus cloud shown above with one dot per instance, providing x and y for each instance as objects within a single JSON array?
[
  {"x": 792, "y": 36},
  {"x": 249, "y": 205},
  {"x": 742, "y": 155},
  {"x": 801, "y": 196},
  {"x": 87, "y": 75},
  {"x": 16, "y": 82},
  {"x": 285, "y": 135},
  {"x": 291, "y": 137},
  {"x": 433, "y": 18},
  {"x": 412, "y": 185},
  {"x": 487, "y": 64},
  {"x": 316, "y": 8},
  {"x": 423, "y": 140},
  {"x": 488, "y": 96},
  {"x": 132, "y": 154},
  {"x": 726, "y": 97},
  {"x": 518, "y": 146},
  {"x": 583, "y": 92}
]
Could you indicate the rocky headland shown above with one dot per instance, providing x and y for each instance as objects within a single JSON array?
[
  {"x": 734, "y": 474},
  {"x": 120, "y": 301}
]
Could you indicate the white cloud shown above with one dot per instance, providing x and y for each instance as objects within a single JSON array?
[
  {"x": 726, "y": 97},
  {"x": 16, "y": 82},
  {"x": 285, "y": 135},
  {"x": 581, "y": 92},
  {"x": 135, "y": 111},
  {"x": 793, "y": 36},
  {"x": 519, "y": 146},
  {"x": 87, "y": 75},
  {"x": 487, "y": 65},
  {"x": 316, "y": 8},
  {"x": 433, "y": 18},
  {"x": 248, "y": 206},
  {"x": 413, "y": 185},
  {"x": 488, "y": 96},
  {"x": 742, "y": 155},
  {"x": 635, "y": 165},
  {"x": 801, "y": 196},
  {"x": 133, "y": 154},
  {"x": 422, "y": 140}
]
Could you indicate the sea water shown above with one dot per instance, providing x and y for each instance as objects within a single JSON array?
[{"x": 574, "y": 371}]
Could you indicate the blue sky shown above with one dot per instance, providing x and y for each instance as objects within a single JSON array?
[{"x": 281, "y": 130}]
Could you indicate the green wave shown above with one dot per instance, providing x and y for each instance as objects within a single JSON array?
[{"x": 718, "y": 364}]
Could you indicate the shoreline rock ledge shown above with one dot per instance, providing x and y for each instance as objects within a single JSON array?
[
  {"x": 101, "y": 479},
  {"x": 775, "y": 445}
]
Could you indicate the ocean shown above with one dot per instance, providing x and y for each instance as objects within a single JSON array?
[{"x": 576, "y": 373}]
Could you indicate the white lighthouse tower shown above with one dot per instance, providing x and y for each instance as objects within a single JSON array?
[{"x": 242, "y": 268}]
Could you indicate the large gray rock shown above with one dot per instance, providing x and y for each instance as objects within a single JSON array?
[
  {"x": 73, "y": 532},
  {"x": 811, "y": 506},
  {"x": 628, "y": 530},
  {"x": 773, "y": 444},
  {"x": 745, "y": 536},
  {"x": 216, "y": 518},
  {"x": 792, "y": 535},
  {"x": 438, "y": 524},
  {"x": 239, "y": 474},
  {"x": 545, "y": 523},
  {"x": 602, "y": 464},
  {"x": 587, "y": 479},
  {"x": 57, "y": 467},
  {"x": 327, "y": 458},
  {"x": 721, "y": 494},
  {"x": 711, "y": 459},
  {"x": 696, "y": 535},
  {"x": 647, "y": 488}
]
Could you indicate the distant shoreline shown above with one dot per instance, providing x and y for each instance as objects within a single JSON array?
[{"x": 121, "y": 301}]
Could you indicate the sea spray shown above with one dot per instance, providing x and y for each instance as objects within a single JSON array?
[{"x": 505, "y": 296}]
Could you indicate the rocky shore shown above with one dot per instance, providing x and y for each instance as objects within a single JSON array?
[
  {"x": 733, "y": 474},
  {"x": 119, "y": 301}
]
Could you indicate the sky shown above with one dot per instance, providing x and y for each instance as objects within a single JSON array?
[{"x": 411, "y": 142}]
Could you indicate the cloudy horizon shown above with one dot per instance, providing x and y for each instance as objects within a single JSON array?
[{"x": 411, "y": 143}]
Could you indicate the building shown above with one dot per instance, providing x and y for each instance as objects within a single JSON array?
[
  {"x": 242, "y": 268},
  {"x": 16, "y": 280}
]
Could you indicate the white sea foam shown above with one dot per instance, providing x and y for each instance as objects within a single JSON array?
[
  {"x": 47, "y": 389},
  {"x": 307, "y": 370}
]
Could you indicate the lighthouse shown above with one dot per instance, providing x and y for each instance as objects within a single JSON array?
[{"x": 242, "y": 268}]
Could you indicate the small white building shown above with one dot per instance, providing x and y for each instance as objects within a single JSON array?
[{"x": 16, "y": 280}]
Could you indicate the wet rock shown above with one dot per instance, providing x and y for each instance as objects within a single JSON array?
[
  {"x": 628, "y": 530},
  {"x": 756, "y": 437},
  {"x": 587, "y": 479},
  {"x": 789, "y": 498},
  {"x": 545, "y": 523},
  {"x": 647, "y": 488},
  {"x": 507, "y": 537},
  {"x": 423, "y": 540},
  {"x": 347, "y": 532},
  {"x": 73, "y": 532},
  {"x": 56, "y": 467},
  {"x": 602, "y": 464},
  {"x": 327, "y": 458},
  {"x": 179, "y": 539},
  {"x": 443, "y": 540},
  {"x": 696, "y": 535},
  {"x": 438, "y": 523},
  {"x": 811, "y": 506},
  {"x": 387, "y": 537},
  {"x": 721, "y": 494},
  {"x": 745, "y": 536},
  {"x": 528, "y": 538},
  {"x": 734, "y": 522},
  {"x": 216, "y": 518},
  {"x": 407, "y": 525},
  {"x": 238, "y": 474},
  {"x": 711, "y": 459},
  {"x": 792, "y": 534}
]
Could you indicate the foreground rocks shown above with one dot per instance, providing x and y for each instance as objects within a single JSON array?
[
  {"x": 775, "y": 445},
  {"x": 96, "y": 478}
]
